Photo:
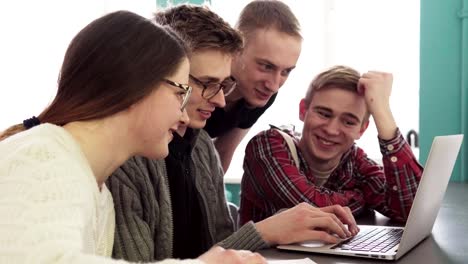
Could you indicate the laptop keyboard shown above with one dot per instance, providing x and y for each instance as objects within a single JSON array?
[{"x": 372, "y": 240}]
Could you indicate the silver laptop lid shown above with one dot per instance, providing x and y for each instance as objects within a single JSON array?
[{"x": 431, "y": 190}]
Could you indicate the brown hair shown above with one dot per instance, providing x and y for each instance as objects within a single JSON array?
[
  {"x": 201, "y": 28},
  {"x": 111, "y": 64},
  {"x": 265, "y": 14},
  {"x": 339, "y": 76}
]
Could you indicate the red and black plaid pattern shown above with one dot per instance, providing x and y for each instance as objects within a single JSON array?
[{"x": 271, "y": 180}]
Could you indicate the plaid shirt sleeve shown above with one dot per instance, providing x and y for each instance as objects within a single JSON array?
[
  {"x": 272, "y": 181},
  {"x": 391, "y": 191}
]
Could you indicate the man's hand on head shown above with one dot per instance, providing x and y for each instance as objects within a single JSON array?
[{"x": 376, "y": 87}]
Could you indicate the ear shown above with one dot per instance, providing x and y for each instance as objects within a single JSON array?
[
  {"x": 364, "y": 127},
  {"x": 302, "y": 110}
]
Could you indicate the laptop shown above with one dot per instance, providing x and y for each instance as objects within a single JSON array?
[{"x": 390, "y": 243}]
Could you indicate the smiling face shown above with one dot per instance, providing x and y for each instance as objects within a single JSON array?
[
  {"x": 208, "y": 66},
  {"x": 334, "y": 119},
  {"x": 154, "y": 118},
  {"x": 264, "y": 64}
]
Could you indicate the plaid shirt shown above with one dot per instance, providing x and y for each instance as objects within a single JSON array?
[{"x": 272, "y": 181}]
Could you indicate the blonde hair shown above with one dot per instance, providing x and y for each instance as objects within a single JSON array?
[{"x": 340, "y": 76}]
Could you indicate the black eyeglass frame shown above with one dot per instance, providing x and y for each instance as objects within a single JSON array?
[
  {"x": 218, "y": 86},
  {"x": 187, "y": 88}
]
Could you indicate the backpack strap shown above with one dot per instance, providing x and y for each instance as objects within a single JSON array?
[{"x": 291, "y": 146}]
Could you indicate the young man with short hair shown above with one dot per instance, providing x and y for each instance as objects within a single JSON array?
[
  {"x": 332, "y": 169},
  {"x": 271, "y": 50}
]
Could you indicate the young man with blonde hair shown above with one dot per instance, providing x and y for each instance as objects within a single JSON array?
[{"x": 331, "y": 168}]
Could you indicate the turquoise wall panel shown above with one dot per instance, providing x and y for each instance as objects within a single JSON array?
[
  {"x": 463, "y": 14},
  {"x": 233, "y": 193},
  {"x": 442, "y": 92}
]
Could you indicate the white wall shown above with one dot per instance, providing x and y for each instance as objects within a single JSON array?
[{"x": 35, "y": 36}]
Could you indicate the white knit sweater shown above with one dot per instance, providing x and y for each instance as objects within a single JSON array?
[{"x": 51, "y": 209}]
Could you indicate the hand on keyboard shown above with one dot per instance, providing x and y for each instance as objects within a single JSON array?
[{"x": 304, "y": 222}]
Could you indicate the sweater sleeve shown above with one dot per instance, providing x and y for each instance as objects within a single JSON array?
[
  {"x": 132, "y": 192},
  {"x": 246, "y": 237}
]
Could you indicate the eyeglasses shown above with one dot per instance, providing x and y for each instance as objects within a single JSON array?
[
  {"x": 186, "y": 94},
  {"x": 210, "y": 89}
]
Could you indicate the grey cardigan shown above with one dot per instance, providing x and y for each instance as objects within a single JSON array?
[{"x": 144, "y": 227}]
